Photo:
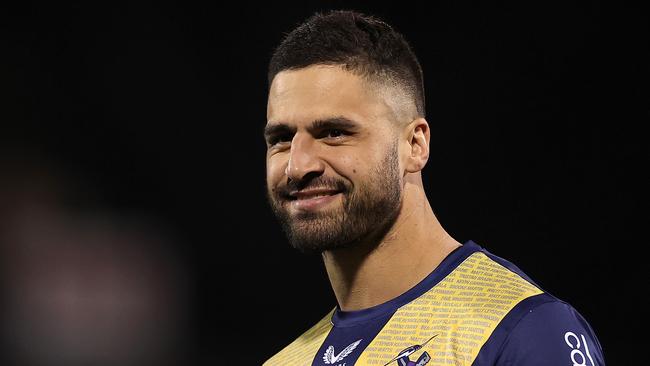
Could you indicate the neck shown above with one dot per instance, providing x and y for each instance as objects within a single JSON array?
[{"x": 375, "y": 272}]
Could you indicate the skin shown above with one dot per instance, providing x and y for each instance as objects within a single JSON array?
[{"x": 379, "y": 267}]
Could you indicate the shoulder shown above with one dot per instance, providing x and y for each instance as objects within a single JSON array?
[
  {"x": 302, "y": 350},
  {"x": 540, "y": 329},
  {"x": 550, "y": 332}
]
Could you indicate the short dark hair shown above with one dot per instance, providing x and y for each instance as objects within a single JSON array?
[{"x": 361, "y": 43}]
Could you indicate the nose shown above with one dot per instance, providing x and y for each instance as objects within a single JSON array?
[{"x": 303, "y": 158}]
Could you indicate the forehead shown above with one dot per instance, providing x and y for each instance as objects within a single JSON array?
[{"x": 322, "y": 91}]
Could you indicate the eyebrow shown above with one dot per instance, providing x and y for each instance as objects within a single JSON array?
[
  {"x": 338, "y": 122},
  {"x": 278, "y": 129}
]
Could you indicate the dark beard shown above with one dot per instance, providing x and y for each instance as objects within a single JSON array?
[{"x": 367, "y": 213}]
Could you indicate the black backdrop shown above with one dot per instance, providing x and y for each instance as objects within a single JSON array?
[{"x": 536, "y": 153}]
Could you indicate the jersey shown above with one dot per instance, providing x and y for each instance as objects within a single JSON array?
[{"x": 475, "y": 308}]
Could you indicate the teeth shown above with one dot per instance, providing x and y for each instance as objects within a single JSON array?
[{"x": 312, "y": 197}]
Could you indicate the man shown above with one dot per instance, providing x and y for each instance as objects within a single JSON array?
[{"x": 347, "y": 140}]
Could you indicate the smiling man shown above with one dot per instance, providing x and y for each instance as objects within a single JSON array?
[{"x": 346, "y": 140}]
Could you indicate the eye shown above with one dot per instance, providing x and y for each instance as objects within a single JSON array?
[
  {"x": 333, "y": 133},
  {"x": 274, "y": 140}
]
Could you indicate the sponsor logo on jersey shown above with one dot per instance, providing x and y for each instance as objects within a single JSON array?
[
  {"x": 330, "y": 358},
  {"x": 579, "y": 349}
]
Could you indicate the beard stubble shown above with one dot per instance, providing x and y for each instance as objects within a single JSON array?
[{"x": 367, "y": 213}]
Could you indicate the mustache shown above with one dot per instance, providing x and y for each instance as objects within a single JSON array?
[{"x": 315, "y": 183}]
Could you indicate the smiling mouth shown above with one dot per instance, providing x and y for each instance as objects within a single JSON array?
[
  {"x": 312, "y": 200},
  {"x": 312, "y": 194}
]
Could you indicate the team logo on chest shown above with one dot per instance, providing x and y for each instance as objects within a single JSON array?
[
  {"x": 330, "y": 358},
  {"x": 402, "y": 359}
]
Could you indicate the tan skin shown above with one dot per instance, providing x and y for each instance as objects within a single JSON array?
[{"x": 370, "y": 273}]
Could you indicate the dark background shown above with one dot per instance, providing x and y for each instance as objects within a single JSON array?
[{"x": 157, "y": 110}]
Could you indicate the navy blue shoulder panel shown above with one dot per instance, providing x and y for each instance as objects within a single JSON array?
[{"x": 540, "y": 330}]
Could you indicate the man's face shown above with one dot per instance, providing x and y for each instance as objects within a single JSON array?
[{"x": 333, "y": 170}]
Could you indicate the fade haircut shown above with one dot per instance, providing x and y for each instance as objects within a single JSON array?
[{"x": 362, "y": 44}]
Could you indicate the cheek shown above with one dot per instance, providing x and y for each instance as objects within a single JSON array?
[
  {"x": 352, "y": 165},
  {"x": 360, "y": 161},
  {"x": 275, "y": 166}
]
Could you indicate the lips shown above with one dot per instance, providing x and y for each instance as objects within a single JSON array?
[
  {"x": 312, "y": 199},
  {"x": 312, "y": 194}
]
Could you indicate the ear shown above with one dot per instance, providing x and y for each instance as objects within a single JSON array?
[{"x": 418, "y": 140}]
